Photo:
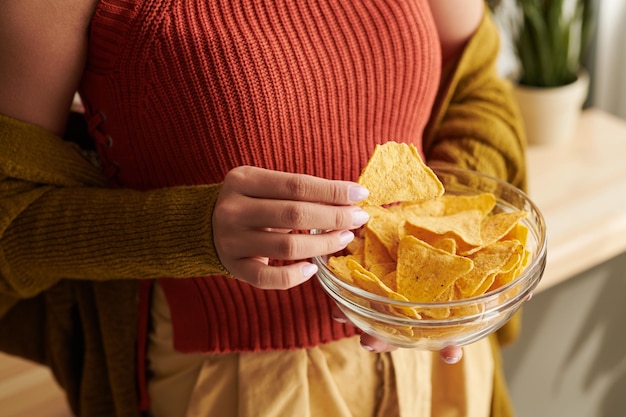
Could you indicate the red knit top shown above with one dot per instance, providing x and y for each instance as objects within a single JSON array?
[{"x": 181, "y": 91}]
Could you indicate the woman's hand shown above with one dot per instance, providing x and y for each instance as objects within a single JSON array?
[
  {"x": 450, "y": 354},
  {"x": 256, "y": 210}
]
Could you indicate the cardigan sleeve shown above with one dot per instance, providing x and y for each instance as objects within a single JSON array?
[
  {"x": 476, "y": 122},
  {"x": 59, "y": 219}
]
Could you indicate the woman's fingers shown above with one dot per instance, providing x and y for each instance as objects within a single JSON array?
[
  {"x": 299, "y": 215},
  {"x": 451, "y": 354},
  {"x": 368, "y": 342},
  {"x": 285, "y": 246},
  {"x": 263, "y": 183},
  {"x": 257, "y": 198},
  {"x": 374, "y": 344},
  {"x": 257, "y": 206},
  {"x": 260, "y": 275},
  {"x": 247, "y": 260}
]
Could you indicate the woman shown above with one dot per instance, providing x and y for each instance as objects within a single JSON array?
[{"x": 165, "y": 280}]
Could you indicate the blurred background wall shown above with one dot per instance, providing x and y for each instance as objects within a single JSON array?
[
  {"x": 570, "y": 360},
  {"x": 607, "y": 60}
]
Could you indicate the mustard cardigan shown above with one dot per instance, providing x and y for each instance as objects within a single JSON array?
[{"x": 85, "y": 330}]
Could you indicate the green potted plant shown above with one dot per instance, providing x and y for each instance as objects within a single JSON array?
[{"x": 550, "y": 39}]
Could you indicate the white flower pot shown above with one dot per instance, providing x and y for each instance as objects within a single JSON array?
[{"x": 551, "y": 114}]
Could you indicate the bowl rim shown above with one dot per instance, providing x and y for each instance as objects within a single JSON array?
[
  {"x": 482, "y": 299},
  {"x": 534, "y": 269}
]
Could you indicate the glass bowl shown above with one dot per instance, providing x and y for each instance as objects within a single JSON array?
[{"x": 467, "y": 320}]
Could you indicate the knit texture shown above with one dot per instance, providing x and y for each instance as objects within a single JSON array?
[
  {"x": 57, "y": 221},
  {"x": 86, "y": 330},
  {"x": 481, "y": 127},
  {"x": 180, "y": 92}
]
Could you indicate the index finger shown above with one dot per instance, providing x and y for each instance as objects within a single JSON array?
[{"x": 264, "y": 183}]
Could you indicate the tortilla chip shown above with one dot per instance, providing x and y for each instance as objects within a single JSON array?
[
  {"x": 465, "y": 225},
  {"x": 498, "y": 225},
  {"x": 425, "y": 272},
  {"x": 357, "y": 248},
  {"x": 390, "y": 280},
  {"x": 519, "y": 232},
  {"x": 446, "y": 243},
  {"x": 369, "y": 282},
  {"x": 423, "y": 246},
  {"x": 374, "y": 251},
  {"x": 382, "y": 270},
  {"x": 488, "y": 262},
  {"x": 440, "y": 312},
  {"x": 395, "y": 173},
  {"x": 339, "y": 266},
  {"x": 449, "y": 204},
  {"x": 385, "y": 228}
]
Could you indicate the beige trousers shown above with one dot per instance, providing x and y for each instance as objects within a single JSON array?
[{"x": 339, "y": 379}]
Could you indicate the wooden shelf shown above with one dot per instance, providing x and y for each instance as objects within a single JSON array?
[{"x": 580, "y": 187}]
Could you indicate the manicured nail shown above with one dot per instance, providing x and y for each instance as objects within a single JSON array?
[
  {"x": 309, "y": 270},
  {"x": 346, "y": 237},
  {"x": 358, "y": 193},
  {"x": 451, "y": 360},
  {"x": 367, "y": 347},
  {"x": 359, "y": 217},
  {"x": 341, "y": 320}
]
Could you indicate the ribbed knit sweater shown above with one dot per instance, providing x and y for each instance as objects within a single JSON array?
[
  {"x": 71, "y": 248},
  {"x": 180, "y": 92}
]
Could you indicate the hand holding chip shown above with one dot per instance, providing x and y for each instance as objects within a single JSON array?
[{"x": 256, "y": 210}]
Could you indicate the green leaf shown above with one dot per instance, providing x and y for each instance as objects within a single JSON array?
[{"x": 547, "y": 43}]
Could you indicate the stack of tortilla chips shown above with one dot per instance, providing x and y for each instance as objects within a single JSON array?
[{"x": 424, "y": 246}]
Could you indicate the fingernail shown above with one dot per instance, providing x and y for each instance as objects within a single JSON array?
[
  {"x": 359, "y": 217},
  {"x": 451, "y": 360},
  {"x": 309, "y": 270},
  {"x": 358, "y": 193},
  {"x": 341, "y": 320},
  {"x": 367, "y": 347},
  {"x": 346, "y": 237}
]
